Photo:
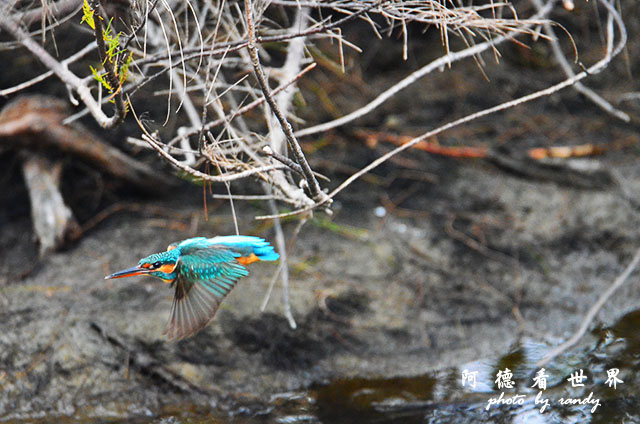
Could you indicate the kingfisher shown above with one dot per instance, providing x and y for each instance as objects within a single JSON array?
[{"x": 202, "y": 271}]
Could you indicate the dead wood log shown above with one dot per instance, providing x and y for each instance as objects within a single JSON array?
[
  {"x": 34, "y": 123},
  {"x": 53, "y": 221}
]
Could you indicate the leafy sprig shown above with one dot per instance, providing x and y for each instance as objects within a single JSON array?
[
  {"x": 87, "y": 15},
  {"x": 113, "y": 50}
]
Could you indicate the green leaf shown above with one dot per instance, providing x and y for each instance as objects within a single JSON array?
[
  {"x": 124, "y": 69},
  {"x": 100, "y": 78},
  {"x": 113, "y": 43},
  {"x": 87, "y": 15}
]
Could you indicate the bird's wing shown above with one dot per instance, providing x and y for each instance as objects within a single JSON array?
[{"x": 205, "y": 277}]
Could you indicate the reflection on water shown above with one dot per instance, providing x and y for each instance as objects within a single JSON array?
[
  {"x": 344, "y": 400},
  {"x": 442, "y": 397}
]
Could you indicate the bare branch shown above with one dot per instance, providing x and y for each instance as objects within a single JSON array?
[
  {"x": 579, "y": 87},
  {"x": 202, "y": 175},
  {"x": 240, "y": 111},
  {"x": 78, "y": 55},
  {"x": 314, "y": 187},
  {"x": 66, "y": 76}
]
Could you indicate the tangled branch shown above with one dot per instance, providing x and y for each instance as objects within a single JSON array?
[{"x": 158, "y": 44}]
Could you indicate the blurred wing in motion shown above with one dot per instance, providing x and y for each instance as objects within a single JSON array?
[{"x": 205, "y": 277}]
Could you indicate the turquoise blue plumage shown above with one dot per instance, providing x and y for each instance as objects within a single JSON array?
[{"x": 202, "y": 271}]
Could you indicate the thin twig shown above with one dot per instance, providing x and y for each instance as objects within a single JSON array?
[
  {"x": 227, "y": 184},
  {"x": 284, "y": 274},
  {"x": 291, "y": 164},
  {"x": 284, "y": 160},
  {"x": 78, "y": 55},
  {"x": 314, "y": 188},
  {"x": 291, "y": 67},
  {"x": 134, "y": 33},
  {"x": 192, "y": 114},
  {"x": 244, "y": 109},
  {"x": 54, "y": 10},
  {"x": 579, "y": 87},
  {"x": 591, "y": 313},
  {"x": 292, "y": 240},
  {"x": 246, "y": 197},
  {"x": 234, "y": 46},
  {"x": 109, "y": 66},
  {"x": 207, "y": 177},
  {"x": 272, "y": 284}
]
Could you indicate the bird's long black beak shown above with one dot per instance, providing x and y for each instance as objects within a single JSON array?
[{"x": 129, "y": 272}]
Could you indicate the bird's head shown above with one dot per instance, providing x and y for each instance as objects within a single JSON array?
[{"x": 160, "y": 265}]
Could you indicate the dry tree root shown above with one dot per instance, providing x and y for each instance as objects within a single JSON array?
[{"x": 32, "y": 125}]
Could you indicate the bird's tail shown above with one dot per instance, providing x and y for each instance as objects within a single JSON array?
[{"x": 247, "y": 245}]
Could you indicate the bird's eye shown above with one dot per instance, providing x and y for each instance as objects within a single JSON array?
[{"x": 156, "y": 265}]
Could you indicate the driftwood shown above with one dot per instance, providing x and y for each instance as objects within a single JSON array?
[
  {"x": 574, "y": 173},
  {"x": 559, "y": 164},
  {"x": 32, "y": 125},
  {"x": 53, "y": 221}
]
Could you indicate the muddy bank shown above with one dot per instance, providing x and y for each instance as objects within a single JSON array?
[{"x": 373, "y": 296}]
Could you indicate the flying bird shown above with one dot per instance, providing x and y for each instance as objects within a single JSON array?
[{"x": 202, "y": 271}]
